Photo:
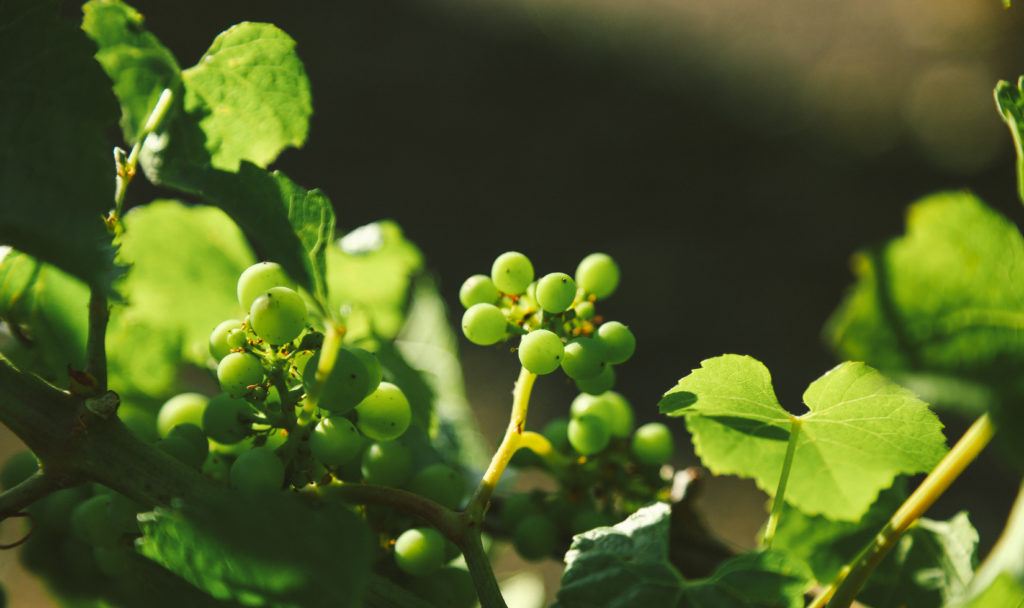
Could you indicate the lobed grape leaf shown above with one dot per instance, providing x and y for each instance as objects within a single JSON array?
[
  {"x": 140, "y": 66},
  {"x": 56, "y": 174},
  {"x": 759, "y": 579},
  {"x": 944, "y": 300},
  {"x": 251, "y": 89},
  {"x": 1010, "y": 103},
  {"x": 860, "y": 432},
  {"x": 266, "y": 550}
]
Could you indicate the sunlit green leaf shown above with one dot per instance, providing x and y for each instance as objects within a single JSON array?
[{"x": 860, "y": 432}]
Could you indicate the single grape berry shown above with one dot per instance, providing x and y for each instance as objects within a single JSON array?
[
  {"x": 557, "y": 432},
  {"x": 384, "y": 414},
  {"x": 555, "y": 292},
  {"x": 535, "y": 537},
  {"x": 440, "y": 483},
  {"x": 652, "y": 444},
  {"x": 219, "y": 346},
  {"x": 588, "y": 434},
  {"x": 344, "y": 387},
  {"x": 478, "y": 289},
  {"x": 609, "y": 405},
  {"x": 386, "y": 463},
  {"x": 540, "y": 351},
  {"x": 484, "y": 324},
  {"x": 104, "y": 519},
  {"x": 278, "y": 315},
  {"x": 258, "y": 471},
  {"x": 236, "y": 373},
  {"x": 257, "y": 279},
  {"x": 335, "y": 441},
  {"x": 599, "y": 383},
  {"x": 227, "y": 420},
  {"x": 186, "y": 443},
  {"x": 598, "y": 275},
  {"x": 236, "y": 338},
  {"x": 181, "y": 409},
  {"x": 619, "y": 343},
  {"x": 374, "y": 370},
  {"x": 512, "y": 272},
  {"x": 584, "y": 358},
  {"x": 419, "y": 551},
  {"x": 585, "y": 310}
]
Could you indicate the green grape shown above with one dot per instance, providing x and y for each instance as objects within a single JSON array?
[
  {"x": 219, "y": 346},
  {"x": 186, "y": 443},
  {"x": 419, "y": 551},
  {"x": 598, "y": 275},
  {"x": 478, "y": 289},
  {"x": 584, "y": 358},
  {"x": 618, "y": 341},
  {"x": 557, "y": 432},
  {"x": 449, "y": 587},
  {"x": 258, "y": 471},
  {"x": 104, "y": 519},
  {"x": 535, "y": 537},
  {"x": 610, "y": 406},
  {"x": 227, "y": 420},
  {"x": 335, "y": 441},
  {"x": 588, "y": 434},
  {"x": 652, "y": 444},
  {"x": 484, "y": 324},
  {"x": 540, "y": 351},
  {"x": 181, "y": 409},
  {"x": 514, "y": 508},
  {"x": 278, "y": 316},
  {"x": 384, "y": 414},
  {"x": 555, "y": 292},
  {"x": 374, "y": 370},
  {"x": 440, "y": 483},
  {"x": 17, "y": 468},
  {"x": 236, "y": 338},
  {"x": 386, "y": 463},
  {"x": 258, "y": 279},
  {"x": 236, "y": 373},
  {"x": 345, "y": 387},
  {"x": 585, "y": 310},
  {"x": 599, "y": 383},
  {"x": 512, "y": 272}
]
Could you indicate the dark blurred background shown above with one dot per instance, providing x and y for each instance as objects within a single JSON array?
[{"x": 731, "y": 155}]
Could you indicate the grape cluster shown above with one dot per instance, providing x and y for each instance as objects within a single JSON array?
[{"x": 555, "y": 317}]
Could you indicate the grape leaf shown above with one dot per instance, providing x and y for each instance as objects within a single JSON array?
[
  {"x": 945, "y": 299},
  {"x": 1010, "y": 102},
  {"x": 1005, "y": 591},
  {"x": 253, "y": 95},
  {"x": 759, "y": 579},
  {"x": 622, "y": 566},
  {"x": 262, "y": 550},
  {"x": 56, "y": 173},
  {"x": 140, "y": 66},
  {"x": 860, "y": 432}
]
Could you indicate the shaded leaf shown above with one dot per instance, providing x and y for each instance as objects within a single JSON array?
[
  {"x": 759, "y": 579},
  {"x": 860, "y": 432},
  {"x": 56, "y": 173}
]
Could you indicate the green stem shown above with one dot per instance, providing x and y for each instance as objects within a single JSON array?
[
  {"x": 37, "y": 486},
  {"x": 843, "y": 590},
  {"x": 448, "y": 522},
  {"x": 480, "y": 569},
  {"x": 328, "y": 354},
  {"x": 1005, "y": 554},
  {"x": 780, "y": 493},
  {"x": 126, "y": 170}
]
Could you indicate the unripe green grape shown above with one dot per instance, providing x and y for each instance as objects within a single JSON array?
[
  {"x": 374, "y": 370},
  {"x": 440, "y": 483},
  {"x": 335, "y": 441},
  {"x": 17, "y": 468},
  {"x": 598, "y": 275},
  {"x": 278, "y": 316},
  {"x": 386, "y": 463},
  {"x": 555, "y": 292},
  {"x": 512, "y": 272},
  {"x": 226, "y": 419},
  {"x": 419, "y": 551},
  {"x": 540, "y": 351},
  {"x": 584, "y": 358},
  {"x": 257, "y": 279},
  {"x": 53, "y": 512},
  {"x": 182, "y": 409},
  {"x": 652, "y": 444},
  {"x": 384, "y": 414},
  {"x": 484, "y": 324},
  {"x": 236, "y": 338},
  {"x": 478, "y": 289},
  {"x": 346, "y": 385},
  {"x": 585, "y": 310},
  {"x": 104, "y": 519},
  {"x": 219, "y": 346},
  {"x": 535, "y": 537},
  {"x": 619, "y": 343},
  {"x": 258, "y": 471},
  {"x": 557, "y": 432},
  {"x": 599, "y": 383},
  {"x": 610, "y": 406},
  {"x": 186, "y": 443},
  {"x": 237, "y": 372},
  {"x": 588, "y": 434}
]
